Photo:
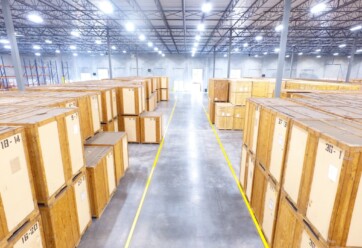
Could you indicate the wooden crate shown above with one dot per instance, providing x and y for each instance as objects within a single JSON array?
[
  {"x": 46, "y": 153},
  {"x": 30, "y": 235},
  {"x": 239, "y": 117},
  {"x": 151, "y": 127},
  {"x": 99, "y": 178},
  {"x": 17, "y": 196},
  {"x": 155, "y": 83},
  {"x": 114, "y": 103},
  {"x": 79, "y": 189},
  {"x": 109, "y": 127},
  {"x": 130, "y": 102},
  {"x": 218, "y": 90},
  {"x": 224, "y": 122},
  {"x": 164, "y": 83},
  {"x": 212, "y": 111},
  {"x": 117, "y": 140},
  {"x": 258, "y": 190},
  {"x": 244, "y": 167},
  {"x": 116, "y": 124},
  {"x": 224, "y": 115},
  {"x": 239, "y": 91},
  {"x": 152, "y": 102},
  {"x": 250, "y": 168},
  {"x": 165, "y": 94},
  {"x": 131, "y": 125},
  {"x": 59, "y": 221},
  {"x": 159, "y": 95}
]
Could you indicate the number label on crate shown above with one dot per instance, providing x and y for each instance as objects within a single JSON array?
[
  {"x": 282, "y": 122},
  {"x": 5, "y": 143},
  {"x": 81, "y": 180},
  {"x": 29, "y": 233},
  {"x": 311, "y": 243},
  {"x": 330, "y": 148}
]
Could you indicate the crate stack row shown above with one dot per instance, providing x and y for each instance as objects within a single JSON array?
[
  {"x": 301, "y": 170},
  {"x": 227, "y": 96},
  {"x": 45, "y": 181},
  {"x": 227, "y": 99},
  {"x": 163, "y": 89}
]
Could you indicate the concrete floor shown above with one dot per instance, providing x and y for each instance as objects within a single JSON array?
[{"x": 192, "y": 201}]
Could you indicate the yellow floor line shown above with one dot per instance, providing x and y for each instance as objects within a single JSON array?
[
  {"x": 257, "y": 226},
  {"x": 130, "y": 235}
]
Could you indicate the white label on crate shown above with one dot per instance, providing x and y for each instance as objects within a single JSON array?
[
  {"x": 280, "y": 139},
  {"x": 15, "y": 165},
  {"x": 227, "y": 114},
  {"x": 333, "y": 173},
  {"x": 83, "y": 196},
  {"x": 238, "y": 115},
  {"x": 222, "y": 114},
  {"x": 271, "y": 204},
  {"x": 76, "y": 129}
]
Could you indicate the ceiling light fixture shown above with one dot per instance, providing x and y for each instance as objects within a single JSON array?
[
  {"x": 236, "y": 49},
  {"x": 245, "y": 44},
  {"x": 48, "y": 41},
  {"x": 72, "y": 47},
  {"x": 130, "y": 27},
  {"x": 318, "y": 8},
  {"x": 106, "y": 7},
  {"x": 7, "y": 47},
  {"x": 355, "y": 28},
  {"x": 156, "y": 49},
  {"x": 75, "y": 33},
  {"x": 75, "y": 54},
  {"x": 225, "y": 55},
  {"x": 300, "y": 54},
  {"x": 89, "y": 51},
  {"x": 256, "y": 55},
  {"x": 150, "y": 44},
  {"x": 277, "y": 50},
  {"x": 197, "y": 37},
  {"x": 259, "y": 38},
  {"x": 124, "y": 51},
  {"x": 287, "y": 56},
  {"x": 342, "y": 45},
  {"x": 159, "y": 52},
  {"x": 37, "y": 54},
  {"x": 4, "y": 41},
  {"x": 359, "y": 51},
  {"x": 114, "y": 47},
  {"x": 142, "y": 37},
  {"x": 318, "y": 50},
  {"x": 265, "y": 53},
  {"x": 206, "y": 7},
  {"x": 201, "y": 27},
  {"x": 33, "y": 17},
  {"x": 98, "y": 42},
  {"x": 335, "y": 54},
  {"x": 57, "y": 51},
  {"x": 318, "y": 56},
  {"x": 36, "y": 47},
  {"x": 163, "y": 55},
  {"x": 279, "y": 28}
]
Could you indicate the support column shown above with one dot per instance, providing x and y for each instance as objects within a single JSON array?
[
  {"x": 282, "y": 46},
  {"x": 214, "y": 63},
  {"x": 14, "y": 46},
  {"x": 229, "y": 52},
  {"x": 291, "y": 63},
  {"x": 350, "y": 62},
  {"x": 109, "y": 56}
]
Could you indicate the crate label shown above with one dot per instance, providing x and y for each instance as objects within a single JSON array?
[
  {"x": 271, "y": 204},
  {"x": 15, "y": 165},
  {"x": 281, "y": 139},
  {"x": 76, "y": 129},
  {"x": 227, "y": 114},
  {"x": 13, "y": 140},
  {"x": 83, "y": 196},
  {"x": 333, "y": 173},
  {"x": 29, "y": 233}
]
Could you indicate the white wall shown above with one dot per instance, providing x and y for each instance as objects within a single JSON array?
[{"x": 179, "y": 67}]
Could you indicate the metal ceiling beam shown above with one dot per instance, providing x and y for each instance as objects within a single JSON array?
[{"x": 184, "y": 22}]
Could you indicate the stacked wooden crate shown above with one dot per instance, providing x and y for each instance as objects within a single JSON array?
[
  {"x": 164, "y": 88},
  {"x": 301, "y": 171}
]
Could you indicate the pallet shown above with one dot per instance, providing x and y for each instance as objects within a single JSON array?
[
  {"x": 151, "y": 127},
  {"x": 29, "y": 235},
  {"x": 101, "y": 180},
  {"x": 60, "y": 221},
  {"x": 118, "y": 141}
]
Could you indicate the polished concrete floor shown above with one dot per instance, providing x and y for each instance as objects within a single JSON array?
[{"x": 192, "y": 201}]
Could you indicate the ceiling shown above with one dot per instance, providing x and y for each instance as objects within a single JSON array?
[{"x": 171, "y": 25}]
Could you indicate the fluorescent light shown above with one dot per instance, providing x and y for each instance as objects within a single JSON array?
[
  {"x": 36, "y": 47},
  {"x": 48, "y": 41},
  {"x": 236, "y": 49},
  {"x": 335, "y": 54},
  {"x": 150, "y": 44},
  {"x": 201, "y": 27},
  {"x": 18, "y": 35},
  {"x": 355, "y": 28},
  {"x": 124, "y": 51},
  {"x": 142, "y": 37},
  {"x": 265, "y": 53},
  {"x": 75, "y": 33},
  {"x": 163, "y": 55},
  {"x": 287, "y": 56},
  {"x": 194, "y": 49},
  {"x": 4, "y": 41},
  {"x": 300, "y": 54},
  {"x": 359, "y": 51},
  {"x": 75, "y": 54},
  {"x": 7, "y": 47},
  {"x": 193, "y": 55},
  {"x": 114, "y": 47},
  {"x": 342, "y": 45},
  {"x": 35, "y": 18},
  {"x": 57, "y": 51},
  {"x": 277, "y": 50},
  {"x": 72, "y": 47},
  {"x": 318, "y": 50},
  {"x": 130, "y": 27},
  {"x": 102, "y": 54},
  {"x": 259, "y": 38},
  {"x": 318, "y": 8},
  {"x": 245, "y": 44},
  {"x": 159, "y": 52},
  {"x": 196, "y": 44},
  {"x": 106, "y": 7},
  {"x": 256, "y": 55},
  {"x": 98, "y": 42},
  {"x": 37, "y": 54},
  {"x": 225, "y": 55},
  {"x": 206, "y": 7},
  {"x": 89, "y": 51},
  {"x": 318, "y": 56},
  {"x": 279, "y": 28},
  {"x": 349, "y": 57},
  {"x": 197, "y": 37},
  {"x": 156, "y": 49}
]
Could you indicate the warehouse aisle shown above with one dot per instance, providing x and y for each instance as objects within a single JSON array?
[{"x": 193, "y": 201}]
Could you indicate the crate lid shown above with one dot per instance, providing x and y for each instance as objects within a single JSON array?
[
  {"x": 32, "y": 116},
  {"x": 106, "y": 138},
  {"x": 93, "y": 154}
]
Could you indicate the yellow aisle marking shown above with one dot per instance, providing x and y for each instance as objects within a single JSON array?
[
  {"x": 130, "y": 235},
  {"x": 261, "y": 234}
]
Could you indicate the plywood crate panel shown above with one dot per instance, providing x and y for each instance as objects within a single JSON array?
[
  {"x": 17, "y": 196},
  {"x": 152, "y": 102},
  {"x": 44, "y": 140},
  {"x": 30, "y": 235},
  {"x": 60, "y": 222},
  {"x": 155, "y": 83},
  {"x": 164, "y": 83},
  {"x": 258, "y": 191},
  {"x": 239, "y": 117},
  {"x": 239, "y": 91},
  {"x": 244, "y": 164},
  {"x": 131, "y": 125},
  {"x": 82, "y": 203},
  {"x": 98, "y": 180},
  {"x": 165, "y": 94},
  {"x": 250, "y": 170},
  {"x": 108, "y": 127},
  {"x": 118, "y": 141},
  {"x": 130, "y": 100},
  {"x": 159, "y": 95},
  {"x": 212, "y": 111},
  {"x": 151, "y": 127},
  {"x": 218, "y": 90},
  {"x": 224, "y": 115}
]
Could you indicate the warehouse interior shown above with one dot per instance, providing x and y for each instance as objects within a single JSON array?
[{"x": 178, "y": 123}]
